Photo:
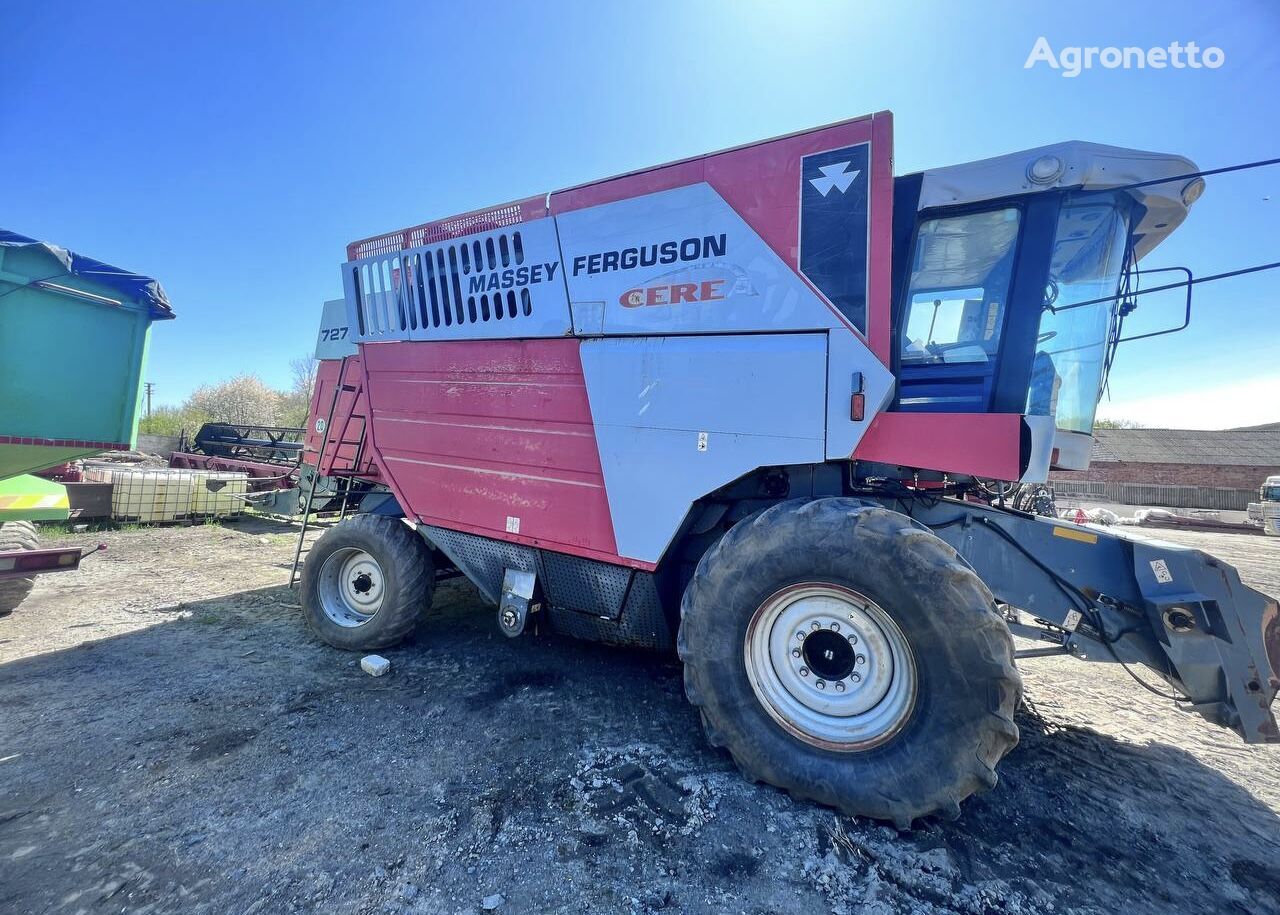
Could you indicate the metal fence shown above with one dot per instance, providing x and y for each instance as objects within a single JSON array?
[{"x": 1159, "y": 494}]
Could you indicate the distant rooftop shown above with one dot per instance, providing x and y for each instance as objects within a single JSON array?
[{"x": 1256, "y": 447}]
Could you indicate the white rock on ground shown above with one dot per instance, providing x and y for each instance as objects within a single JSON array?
[{"x": 375, "y": 665}]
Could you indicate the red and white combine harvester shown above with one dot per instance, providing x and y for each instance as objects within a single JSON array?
[{"x": 767, "y": 407}]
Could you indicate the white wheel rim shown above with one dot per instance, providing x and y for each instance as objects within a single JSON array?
[
  {"x": 830, "y": 666},
  {"x": 352, "y": 585}
]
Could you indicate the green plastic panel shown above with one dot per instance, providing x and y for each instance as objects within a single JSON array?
[{"x": 28, "y": 498}]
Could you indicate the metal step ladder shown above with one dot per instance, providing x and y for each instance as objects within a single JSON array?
[{"x": 345, "y": 476}]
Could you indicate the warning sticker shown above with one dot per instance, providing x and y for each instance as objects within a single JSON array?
[{"x": 1161, "y": 570}]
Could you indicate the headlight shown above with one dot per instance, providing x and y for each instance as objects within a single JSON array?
[
  {"x": 1045, "y": 170},
  {"x": 1192, "y": 190}
]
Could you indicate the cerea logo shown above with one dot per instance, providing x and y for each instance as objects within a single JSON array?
[{"x": 1072, "y": 61}]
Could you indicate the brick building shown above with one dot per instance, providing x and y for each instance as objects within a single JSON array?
[{"x": 1227, "y": 458}]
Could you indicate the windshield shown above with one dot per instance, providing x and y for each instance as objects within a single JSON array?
[
  {"x": 1088, "y": 260},
  {"x": 1271, "y": 493},
  {"x": 959, "y": 288}
]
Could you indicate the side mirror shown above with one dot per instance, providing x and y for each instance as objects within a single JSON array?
[{"x": 1127, "y": 303}]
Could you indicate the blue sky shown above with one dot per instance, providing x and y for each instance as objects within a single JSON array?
[{"x": 233, "y": 149}]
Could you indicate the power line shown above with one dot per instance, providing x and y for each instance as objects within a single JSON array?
[
  {"x": 1194, "y": 281},
  {"x": 1189, "y": 175}
]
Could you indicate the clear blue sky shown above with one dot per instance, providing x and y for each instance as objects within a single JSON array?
[{"x": 232, "y": 149}]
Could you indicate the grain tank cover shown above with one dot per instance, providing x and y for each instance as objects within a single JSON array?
[{"x": 132, "y": 287}]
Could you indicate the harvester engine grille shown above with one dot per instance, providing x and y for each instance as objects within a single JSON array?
[{"x": 476, "y": 286}]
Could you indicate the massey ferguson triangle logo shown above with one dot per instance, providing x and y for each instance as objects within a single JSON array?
[{"x": 834, "y": 176}]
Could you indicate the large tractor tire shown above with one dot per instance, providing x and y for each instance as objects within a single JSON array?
[
  {"x": 16, "y": 535},
  {"x": 366, "y": 583},
  {"x": 847, "y": 655}
]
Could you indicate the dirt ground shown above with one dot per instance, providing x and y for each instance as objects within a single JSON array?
[{"x": 172, "y": 740}]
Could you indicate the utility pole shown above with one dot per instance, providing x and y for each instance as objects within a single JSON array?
[{"x": 150, "y": 386}]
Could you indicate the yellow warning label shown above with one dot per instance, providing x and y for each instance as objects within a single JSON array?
[
  {"x": 17, "y": 503},
  {"x": 1071, "y": 533}
]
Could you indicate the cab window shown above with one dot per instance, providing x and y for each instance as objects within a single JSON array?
[
  {"x": 1089, "y": 257},
  {"x": 959, "y": 291}
]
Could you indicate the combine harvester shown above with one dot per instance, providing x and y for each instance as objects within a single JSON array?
[
  {"x": 763, "y": 406},
  {"x": 73, "y": 341}
]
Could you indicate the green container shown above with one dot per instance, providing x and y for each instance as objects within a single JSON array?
[{"x": 73, "y": 343}]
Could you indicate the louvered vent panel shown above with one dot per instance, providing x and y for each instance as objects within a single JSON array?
[{"x": 430, "y": 290}]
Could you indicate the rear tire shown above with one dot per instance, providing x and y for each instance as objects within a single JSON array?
[
  {"x": 16, "y": 535},
  {"x": 366, "y": 582},
  {"x": 918, "y": 687}
]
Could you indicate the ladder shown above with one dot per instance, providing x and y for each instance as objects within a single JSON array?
[{"x": 345, "y": 478}]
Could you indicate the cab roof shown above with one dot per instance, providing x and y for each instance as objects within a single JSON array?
[{"x": 1074, "y": 165}]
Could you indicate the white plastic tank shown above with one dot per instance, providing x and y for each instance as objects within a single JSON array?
[
  {"x": 146, "y": 495},
  {"x": 155, "y": 494}
]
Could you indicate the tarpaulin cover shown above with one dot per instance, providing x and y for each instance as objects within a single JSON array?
[{"x": 135, "y": 287}]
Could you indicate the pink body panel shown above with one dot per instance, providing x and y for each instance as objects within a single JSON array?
[
  {"x": 491, "y": 437},
  {"x": 981, "y": 444}
]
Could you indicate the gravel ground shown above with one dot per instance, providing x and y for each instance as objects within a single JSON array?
[{"x": 172, "y": 740}]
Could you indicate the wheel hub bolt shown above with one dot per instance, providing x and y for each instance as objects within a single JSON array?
[
  {"x": 839, "y": 686},
  {"x": 835, "y": 627},
  {"x": 804, "y": 671},
  {"x": 821, "y": 684},
  {"x": 859, "y": 660},
  {"x": 800, "y": 636},
  {"x": 853, "y": 639},
  {"x": 795, "y": 652},
  {"x": 855, "y": 677},
  {"x": 815, "y": 625}
]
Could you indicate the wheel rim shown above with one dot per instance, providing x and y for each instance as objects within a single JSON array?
[
  {"x": 830, "y": 666},
  {"x": 351, "y": 587}
]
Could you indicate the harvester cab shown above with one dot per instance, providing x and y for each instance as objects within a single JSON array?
[
  {"x": 764, "y": 406},
  {"x": 1010, "y": 280}
]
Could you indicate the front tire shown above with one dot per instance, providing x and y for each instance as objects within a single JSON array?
[
  {"x": 844, "y": 653},
  {"x": 16, "y": 535},
  {"x": 366, "y": 582}
]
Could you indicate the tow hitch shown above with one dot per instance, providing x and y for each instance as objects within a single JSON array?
[{"x": 24, "y": 563}]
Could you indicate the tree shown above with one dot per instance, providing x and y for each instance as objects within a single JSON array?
[
  {"x": 304, "y": 375},
  {"x": 296, "y": 404},
  {"x": 166, "y": 421},
  {"x": 244, "y": 400},
  {"x": 1117, "y": 424}
]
